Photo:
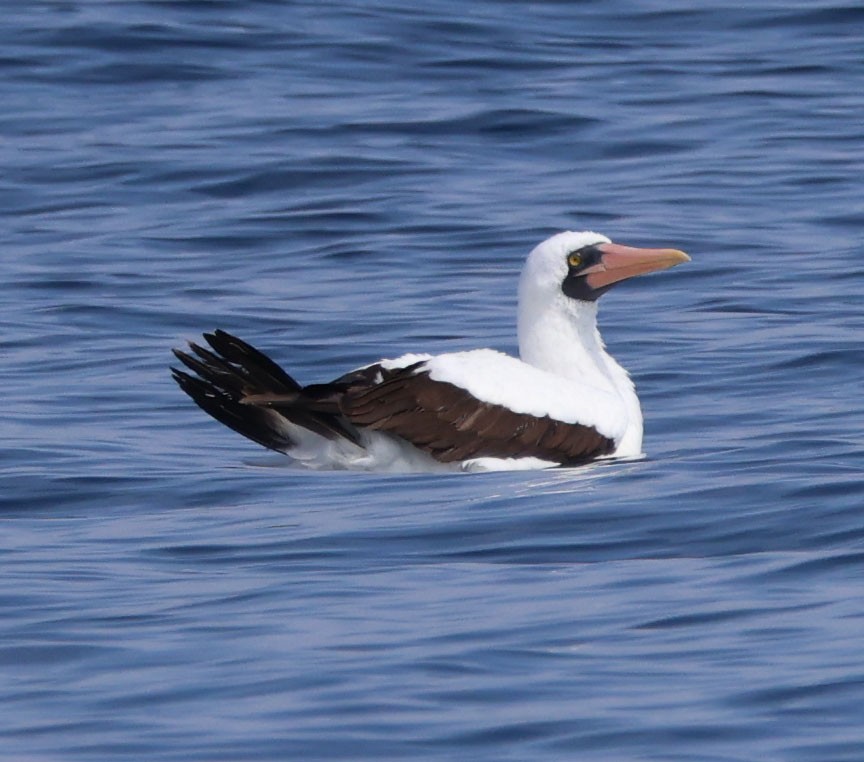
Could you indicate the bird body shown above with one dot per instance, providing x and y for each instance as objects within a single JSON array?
[{"x": 564, "y": 401}]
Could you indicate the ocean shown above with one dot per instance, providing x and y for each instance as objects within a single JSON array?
[{"x": 341, "y": 182}]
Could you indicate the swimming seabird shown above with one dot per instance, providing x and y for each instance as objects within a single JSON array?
[{"x": 564, "y": 402}]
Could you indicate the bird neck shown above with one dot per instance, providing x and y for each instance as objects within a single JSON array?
[{"x": 561, "y": 337}]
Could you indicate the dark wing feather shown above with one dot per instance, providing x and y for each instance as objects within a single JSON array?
[
  {"x": 451, "y": 425},
  {"x": 244, "y": 389},
  {"x": 257, "y": 424}
]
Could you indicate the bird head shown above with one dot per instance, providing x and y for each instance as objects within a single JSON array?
[{"x": 585, "y": 265}]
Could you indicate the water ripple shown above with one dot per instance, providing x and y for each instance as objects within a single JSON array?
[{"x": 339, "y": 183}]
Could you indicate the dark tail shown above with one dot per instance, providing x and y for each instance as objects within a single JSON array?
[{"x": 231, "y": 372}]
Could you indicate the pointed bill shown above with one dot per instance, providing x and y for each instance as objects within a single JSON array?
[{"x": 621, "y": 262}]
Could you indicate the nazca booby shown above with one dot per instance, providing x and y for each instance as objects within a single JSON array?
[{"x": 564, "y": 402}]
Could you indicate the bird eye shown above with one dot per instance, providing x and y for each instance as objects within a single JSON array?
[{"x": 574, "y": 259}]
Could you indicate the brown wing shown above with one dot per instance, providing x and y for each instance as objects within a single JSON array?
[{"x": 451, "y": 425}]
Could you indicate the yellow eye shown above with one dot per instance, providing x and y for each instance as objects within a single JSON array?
[{"x": 574, "y": 260}]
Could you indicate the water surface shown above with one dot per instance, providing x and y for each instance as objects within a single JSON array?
[{"x": 341, "y": 183}]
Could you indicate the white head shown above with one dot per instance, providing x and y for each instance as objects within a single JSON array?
[
  {"x": 564, "y": 277},
  {"x": 583, "y": 266},
  {"x": 547, "y": 267}
]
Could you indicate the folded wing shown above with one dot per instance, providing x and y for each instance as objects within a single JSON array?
[{"x": 450, "y": 424}]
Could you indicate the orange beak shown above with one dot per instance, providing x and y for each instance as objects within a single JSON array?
[{"x": 621, "y": 262}]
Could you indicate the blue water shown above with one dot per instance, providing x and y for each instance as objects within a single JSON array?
[{"x": 340, "y": 182}]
